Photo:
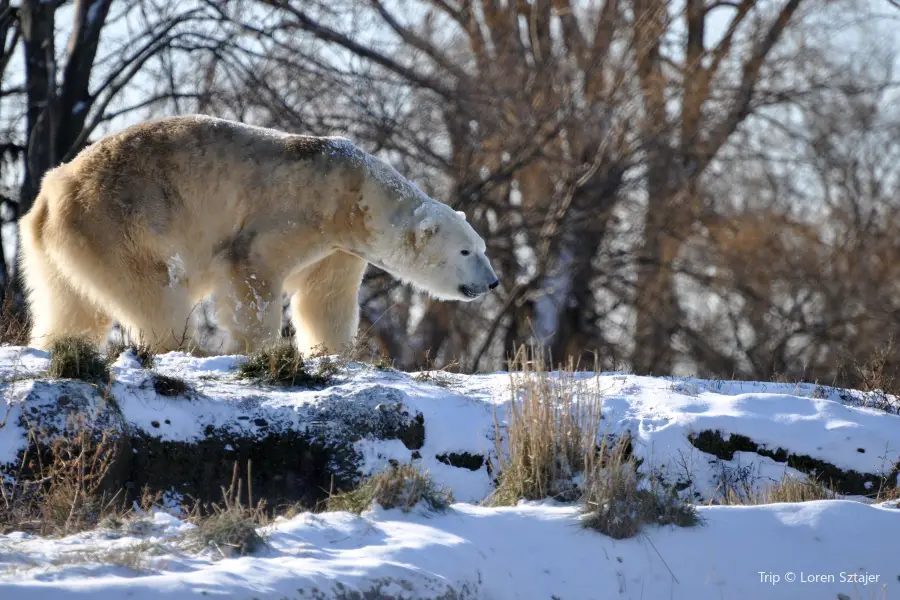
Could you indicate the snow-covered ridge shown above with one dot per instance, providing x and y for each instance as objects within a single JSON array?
[{"x": 530, "y": 551}]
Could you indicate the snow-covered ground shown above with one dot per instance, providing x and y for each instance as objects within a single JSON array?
[{"x": 817, "y": 550}]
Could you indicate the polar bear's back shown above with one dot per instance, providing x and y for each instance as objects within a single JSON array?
[
  {"x": 193, "y": 176},
  {"x": 195, "y": 148},
  {"x": 196, "y": 187}
]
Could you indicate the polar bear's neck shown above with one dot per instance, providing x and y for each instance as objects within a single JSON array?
[{"x": 392, "y": 208}]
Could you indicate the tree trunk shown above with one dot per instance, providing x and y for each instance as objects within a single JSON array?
[
  {"x": 37, "y": 22},
  {"x": 656, "y": 305}
]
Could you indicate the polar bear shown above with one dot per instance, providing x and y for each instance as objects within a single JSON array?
[{"x": 143, "y": 224}]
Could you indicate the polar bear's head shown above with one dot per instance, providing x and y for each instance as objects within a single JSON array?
[
  {"x": 444, "y": 254},
  {"x": 422, "y": 241}
]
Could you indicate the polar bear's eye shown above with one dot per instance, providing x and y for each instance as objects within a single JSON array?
[{"x": 464, "y": 252}]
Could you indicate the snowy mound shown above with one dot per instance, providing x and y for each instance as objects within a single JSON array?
[{"x": 698, "y": 435}]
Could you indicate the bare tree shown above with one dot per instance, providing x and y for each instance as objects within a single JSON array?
[
  {"x": 802, "y": 270},
  {"x": 63, "y": 107},
  {"x": 524, "y": 115},
  {"x": 107, "y": 74},
  {"x": 680, "y": 147},
  {"x": 10, "y": 151}
]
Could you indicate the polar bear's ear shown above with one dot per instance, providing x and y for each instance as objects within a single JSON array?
[{"x": 462, "y": 214}]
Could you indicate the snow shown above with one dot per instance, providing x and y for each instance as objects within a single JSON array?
[
  {"x": 528, "y": 551},
  {"x": 176, "y": 270},
  {"x": 844, "y": 548}
]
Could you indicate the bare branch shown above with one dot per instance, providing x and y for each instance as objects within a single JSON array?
[
  {"x": 724, "y": 46},
  {"x": 751, "y": 70},
  {"x": 417, "y": 42},
  {"x": 306, "y": 23}
]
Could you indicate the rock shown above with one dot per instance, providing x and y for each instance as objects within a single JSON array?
[
  {"x": 463, "y": 460},
  {"x": 843, "y": 482},
  {"x": 291, "y": 452}
]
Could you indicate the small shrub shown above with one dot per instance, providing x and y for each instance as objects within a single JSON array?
[
  {"x": 77, "y": 358},
  {"x": 114, "y": 522},
  {"x": 283, "y": 364},
  {"x": 232, "y": 530},
  {"x": 166, "y": 385},
  {"x": 439, "y": 378},
  {"x": 402, "y": 486},
  {"x": 617, "y": 505},
  {"x": 363, "y": 349},
  {"x": 878, "y": 378},
  {"x": 891, "y": 495},
  {"x": 552, "y": 434},
  {"x": 384, "y": 363}
]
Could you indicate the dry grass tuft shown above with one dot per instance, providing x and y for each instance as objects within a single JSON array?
[
  {"x": 64, "y": 492},
  {"x": 402, "y": 486},
  {"x": 282, "y": 364},
  {"x": 879, "y": 379},
  {"x": 618, "y": 503},
  {"x": 432, "y": 375},
  {"x": 143, "y": 352},
  {"x": 788, "y": 489},
  {"x": 139, "y": 556},
  {"x": 552, "y": 435},
  {"x": 14, "y": 327},
  {"x": 231, "y": 528},
  {"x": 384, "y": 363},
  {"x": 77, "y": 358},
  {"x": 166, "y": 385}
]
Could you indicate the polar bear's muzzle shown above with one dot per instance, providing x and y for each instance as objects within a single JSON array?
[
  {"x": 469, "y": 291},
  {"x": 473, "y": 291},
  {"x": 484, "y": 278}
]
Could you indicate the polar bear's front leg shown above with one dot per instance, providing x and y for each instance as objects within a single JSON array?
[
  {"x": 249, "y": 306},
  {"x": 325, "y": 302}
]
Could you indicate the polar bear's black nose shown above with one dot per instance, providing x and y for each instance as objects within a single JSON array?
[{"x": 495, "y": 284}]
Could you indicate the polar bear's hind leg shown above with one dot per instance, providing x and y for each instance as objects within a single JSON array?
[
  {"x": 249, "y": 306},
  {"x": 56, "y": 307}
]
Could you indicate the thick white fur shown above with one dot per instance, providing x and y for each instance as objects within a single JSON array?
[{"x": 143, "y": 224}]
